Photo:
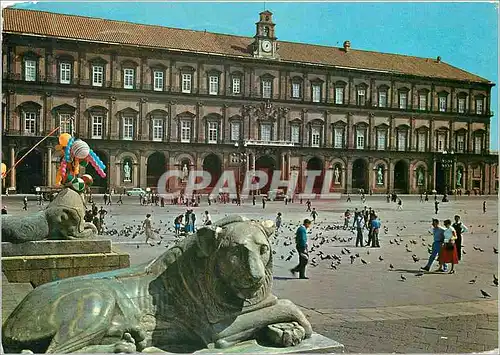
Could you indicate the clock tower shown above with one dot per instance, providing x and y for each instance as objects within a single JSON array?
[{"x": 264, "y": 45}]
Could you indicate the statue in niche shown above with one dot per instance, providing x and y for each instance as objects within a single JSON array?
[
  {"x": 337, "y": 174},
  {"x": 380, "y": 176},
  {"x": 127, "y": 172},
  {"x": 185, "y": 172},
  {"x": 459, "y": 178},
  {"x": 420, "y": 177}
]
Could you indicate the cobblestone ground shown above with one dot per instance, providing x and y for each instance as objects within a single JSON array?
[{"x": 367, "y": 307}]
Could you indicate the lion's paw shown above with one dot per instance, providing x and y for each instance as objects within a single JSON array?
[
  {"x": 285, "y": 334},
  {"x": 126, "y": 345}
]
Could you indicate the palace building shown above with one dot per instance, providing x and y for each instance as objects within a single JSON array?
[{"x": 157, "y": 98}]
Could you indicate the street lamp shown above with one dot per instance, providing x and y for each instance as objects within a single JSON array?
[{"x": 447, "y": 161}]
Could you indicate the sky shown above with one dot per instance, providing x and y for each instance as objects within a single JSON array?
[{"x": 465, "y": 35}]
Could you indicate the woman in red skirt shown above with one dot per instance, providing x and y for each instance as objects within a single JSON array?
[{"x": 448, "y": 253}]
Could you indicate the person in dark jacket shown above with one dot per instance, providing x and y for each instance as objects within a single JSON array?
[{"x": 301, "y": 246}]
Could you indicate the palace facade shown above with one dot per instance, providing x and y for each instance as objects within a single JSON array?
[{"x": 157, "y": 98}]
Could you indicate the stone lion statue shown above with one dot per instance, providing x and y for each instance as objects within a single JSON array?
[
  {"x": 213, "y": 289},
  {"x": 62, "y": 219}
]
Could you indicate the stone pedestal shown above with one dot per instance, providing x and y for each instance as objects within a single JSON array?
[{"x": 45, "y": 261}]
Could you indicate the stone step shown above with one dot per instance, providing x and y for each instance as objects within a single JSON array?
[{"x": 56, "y": 247}]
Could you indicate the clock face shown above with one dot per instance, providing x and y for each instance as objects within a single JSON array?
[{"x": 266, "y": 46}]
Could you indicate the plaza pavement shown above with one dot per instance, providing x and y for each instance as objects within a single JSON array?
[{"x": 367, "y": 307}]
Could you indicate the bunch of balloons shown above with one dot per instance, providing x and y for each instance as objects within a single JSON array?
[{"x": 76, "y": 153}]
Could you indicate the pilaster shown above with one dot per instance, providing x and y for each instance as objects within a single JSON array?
[
  {"x": 348, "y": 180},
  {"x": 349, "y": 133}
]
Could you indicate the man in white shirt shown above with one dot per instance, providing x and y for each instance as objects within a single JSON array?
[
  {"x": 459, "y": 229},
  {"x": 207, "y": 219}
]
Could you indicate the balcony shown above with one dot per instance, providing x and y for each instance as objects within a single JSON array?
[{"x": 255, "y": 142}]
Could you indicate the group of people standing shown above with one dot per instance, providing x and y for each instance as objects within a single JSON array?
[{"x": 447, "y": 244}]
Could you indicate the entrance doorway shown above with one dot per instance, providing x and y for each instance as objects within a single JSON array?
[
  {"x": 360, "y": 175},
  {"x": 401, "y": 177},
  {"x": 29, "y": 172}
]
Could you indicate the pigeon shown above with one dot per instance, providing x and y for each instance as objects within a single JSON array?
[
  {"x": 403, "y": 278},
  {"x": 391, "y": 266},
  {"x": 352, "y": 258},
  {"x": 473, "y": 281},
  {"x": 364, "y": 261},
  {"x": 485, "y": 294},
  {"x": 380, "y": 258},
  {"x": 495, "y": 250},
  {"x": 289, "y": 258},
  {"x": 415, "y": 258}
]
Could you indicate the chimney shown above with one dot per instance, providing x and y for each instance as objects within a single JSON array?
[
  {"x": 438, "y": 59},
  {"x": 347, "y": 46}
]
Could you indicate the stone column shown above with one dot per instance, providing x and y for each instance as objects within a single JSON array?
[
  {"x": 283, "y": 166},
  {"x": 469, "y": 136},
  {"x": 351, "y": 93},
  {"x": 13, "y": 170},
  {"x": 348, "y": 180},
  {"x": 390, "y": 177},
  {"x": 451, "y": 143},
  {"x": 371, "y": 124},
  {"x": 434, "y": 166},
  {"x": 431, "y": 144},
  {"x": 349, "y": 131},
  {"x": 49, "y": 166},
  {"x": 411, "y": 134}
]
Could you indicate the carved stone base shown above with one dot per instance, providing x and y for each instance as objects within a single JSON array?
[{"x": 45, "y": 261}]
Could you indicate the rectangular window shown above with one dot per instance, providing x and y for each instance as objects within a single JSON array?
[
  {"x": 422, "y": 141},
  {"x": 316, "y": 93},
  {"x": 235, "y": 131},
  {"x": 157, "y": 129},
  {"x": 360, "y": 139},
  {"x": 401, "y": 141},
  {"x": 295, "y": 134},
  {"x": 213, "y": 82},
  {"x": 185, "y": 131},
  {"x": 460, "y": 144},
  {"x": 128, "y": 78},
  {"x": 381, "y": 139},
  {"x": 30, "y": 70},
  {"x": 478, "y": 144},
  {"x": 65, "y": 73},
  {"x": 97, "y": 75},
  {"x": 29, "y": 122},
  {"x": 267, "y": 89},
  {"x": 338, "y": 138},
  {"x": 128, "y": 128},
  {"x": 296, "y": 90},
  {"x": 97, "y": 122},
  {"x": 265, "y": 132},
  {"x": 382, "y": 99},
  {"x": 186, "y": 83},
  {"x": 361, "y": 97},
  {"x": 422, "y": 102},
  {"x": 339, "y": 96},
  {"x": 236, "y": 85},
  {"x": 212, "y": 132},
  {"x": 403, "y": 100},
  {"x": 158, "y": 80},
  {"x": 315, "y": 136},
  {"x": 65, "y": 123},
  {"x": 441, "y": 142},
  {"x": 461, "y": 105},
  {"x": 442, "y": 103},
  {"x": 479, "y": 106}
]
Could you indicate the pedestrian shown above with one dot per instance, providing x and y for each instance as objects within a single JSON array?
[
  {"x": 253, "y": 200},
  {"x": 177, "y": 225},
  {"x": 347, "y": 217},
  {"x": 436, "y": 206},
  {"x": 286, "y": 200},
  {"x": 278, "y": 222},
  {"x": 4, "y": 210},
  {"x": 39, "y": 198},
  {"x": 388, "y": 198},
  {"x": 120, "y": 199},
  {"x": 400, "y": 204},
  {"x": 301, "y": 246},
  {"x": 25, "y": 203},
  {"x": 348, "y": 198},
  {"x": 207, "y": 219},
  {"x": 263, "y": 202},
  {"x": 102, "y": 213},
  {"x": 162, "y": 202},
  {"x": 94, "y": 209},
  {"x": 109, "y": 198},
  {"x": 193, "y": 221},
  {"x": 438, "y": 234},
  {"x": 375, "y": 227},
  {"x": 210, "y": 200},
  {"x": 187, "y": 222},
  {"x": 359, "y": 224},
  {"x": 88, "y": 217},
  {"x": 484, "y": 206},
  {"x": 314, "y": 214},
  {"x": 105, "y": 197},
  {"x": 147, "y": 228},
  {"x": 460, "y": 228},
  {"x": 308, "y": 204},
  {"x": 448, "y": 252},
  {"x": 421, "y": 197},
  {"x": 426, "y": 196}
]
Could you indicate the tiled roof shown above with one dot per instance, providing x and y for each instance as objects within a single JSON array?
[{"x": 102, "y": 30}]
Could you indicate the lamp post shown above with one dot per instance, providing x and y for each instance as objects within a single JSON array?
[
  {"x": 241, "y": 158},
  {"x": 447, "y": 161}
]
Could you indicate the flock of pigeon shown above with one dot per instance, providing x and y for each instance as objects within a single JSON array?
[{"x": 320, "y": 235}]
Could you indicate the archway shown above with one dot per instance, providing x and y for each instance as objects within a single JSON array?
[
  {"x": 401, "y": 177},
  {"x": 440, "y": 178},
  {"x": 316, "y": 163},
  {"x": 359, "y": 175},
  {"x": 29, "y": 172},
  {"x": 155, "y": 169},
  {"x": 213, "y": 165},
  {"x": 267, "y": 164},
  {"x": 100, "y": 185}
]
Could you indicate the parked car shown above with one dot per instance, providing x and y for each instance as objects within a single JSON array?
[{"x": 136, "y": 191}]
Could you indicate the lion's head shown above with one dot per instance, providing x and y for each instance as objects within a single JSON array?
[{"x": 239, "y": 253}]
